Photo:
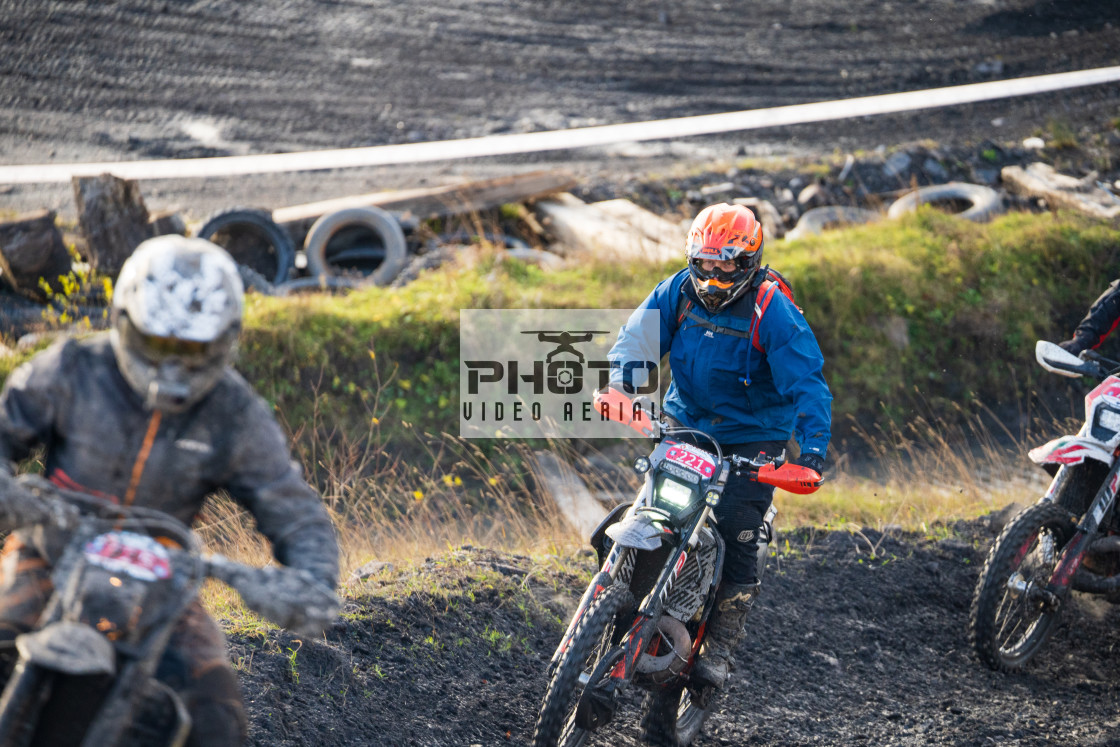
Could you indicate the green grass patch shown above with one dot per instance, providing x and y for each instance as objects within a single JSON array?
[{"x": 925, "y": 314}]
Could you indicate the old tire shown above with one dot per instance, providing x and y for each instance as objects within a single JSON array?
[
  {"x": 383, "y": 225},
  {"x": 589, "y": 645},
  {"x": 1027, "y": 551},
  {"x": 976, "y": 202},
  {"x": 253, "y": 239},
  {"x": 320, "y": 284},
  {"x": 670, "y": 719},
  {"x": 830, "y": 216}
]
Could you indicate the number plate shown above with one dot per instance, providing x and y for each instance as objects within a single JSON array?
[
  {"x": 136, "y": 555},
  {"x": 681, "y": 472},
  {"x": 691, "y": 458}
]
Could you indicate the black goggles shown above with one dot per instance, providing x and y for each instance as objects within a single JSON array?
[{"x": 158, "y": 348}]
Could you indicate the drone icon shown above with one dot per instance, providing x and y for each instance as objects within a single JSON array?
[{"x": 565, "y": 340}]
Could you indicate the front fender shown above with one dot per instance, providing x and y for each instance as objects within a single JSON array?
[
  {"x": 638, "y": 531},
  {"x": 600, "y": 533},
  {"x": 70, "y": 647},
  {"x": 1071, "y": 450}
]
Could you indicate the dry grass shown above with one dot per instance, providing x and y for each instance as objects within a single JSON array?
[
  {"x": 916, "y": 478},
  {"x": 927, "y": 473}
]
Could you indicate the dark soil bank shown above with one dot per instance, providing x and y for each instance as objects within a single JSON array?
[{"x": 844, "y": 649}]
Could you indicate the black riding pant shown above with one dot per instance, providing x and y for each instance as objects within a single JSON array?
[{"x": 740, "y": 511}]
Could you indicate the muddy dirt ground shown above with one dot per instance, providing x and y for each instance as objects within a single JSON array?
[
  {"x": 140, "y": 79},
  {"x": 843, "y": 649}
]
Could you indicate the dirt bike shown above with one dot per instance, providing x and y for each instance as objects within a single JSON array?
[
  {"x": 643, "y": 617},
  {"x": 1069, "y": 540},
  {"x": 86, "y": 673}
]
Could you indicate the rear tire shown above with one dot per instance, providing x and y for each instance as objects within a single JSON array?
[
  {"x": 590, "y": 644},
  {"x": 670, "y": 719},
  {"x": 1006, "y": 626}
]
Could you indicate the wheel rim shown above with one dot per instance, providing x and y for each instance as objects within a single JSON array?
[{"x": 1020, "y": 613}]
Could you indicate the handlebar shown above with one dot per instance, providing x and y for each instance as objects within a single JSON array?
[
  {"x": 288, "y": 597},
  {"x": 774, "y": 471},
  {"x": 65, "y": 509},
  {"x": 1090, "y": 363}
]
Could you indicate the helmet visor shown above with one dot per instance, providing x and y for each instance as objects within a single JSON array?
[
  {"x": 156, "y": 348},
  {"x": 697, "y": 249}
]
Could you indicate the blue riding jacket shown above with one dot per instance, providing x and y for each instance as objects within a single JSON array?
[{"x": 723, "y": 384}]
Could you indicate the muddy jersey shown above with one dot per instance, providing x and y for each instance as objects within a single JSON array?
[
  {"x": 1102, "y": 319},
  {"x": 100, "y": 439}
]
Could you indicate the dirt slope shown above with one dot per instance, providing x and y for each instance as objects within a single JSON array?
[
  {"x": 126, "y": 79},
  {"x": 843, "y": 650}
]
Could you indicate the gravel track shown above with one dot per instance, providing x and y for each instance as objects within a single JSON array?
[{"x": 130, "y": 79}]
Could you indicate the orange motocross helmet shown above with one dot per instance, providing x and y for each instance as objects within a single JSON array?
[{"x": 724, "y": 232}]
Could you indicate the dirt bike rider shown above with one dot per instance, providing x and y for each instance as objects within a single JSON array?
[
  {"x": 152, "y": 414},
  {"x": 1103, "y": 317},
  {"x": 748, "y": 385}
]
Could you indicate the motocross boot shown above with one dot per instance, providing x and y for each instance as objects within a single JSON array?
[{"x": 725, "y": 630}]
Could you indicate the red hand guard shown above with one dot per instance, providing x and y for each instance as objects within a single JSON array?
[
  {"x": 791, "y": 478},
  {"x": 614, "y": 405}
]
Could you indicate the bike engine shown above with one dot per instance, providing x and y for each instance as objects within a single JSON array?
[{"x": 690, "y": 590}]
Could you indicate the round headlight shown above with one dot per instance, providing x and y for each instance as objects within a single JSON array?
[
  {"x": 712, "y": 497},
  {"x": 641, "y": 465}
]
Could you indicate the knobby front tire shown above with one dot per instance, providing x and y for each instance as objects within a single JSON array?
[
  {"x": 1006, "y": 627},
  {"x": 670, "y": 719},
  {"x": 590, "y": 643}
]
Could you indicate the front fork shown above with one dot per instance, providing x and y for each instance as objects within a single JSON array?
[
  {"x": 1076, "y": 548},
  {"x": 644, "y": 627},
  {"x": 617, "y": 566}
]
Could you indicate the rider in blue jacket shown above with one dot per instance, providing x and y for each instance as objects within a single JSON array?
[{"x": 746, "y": 369}]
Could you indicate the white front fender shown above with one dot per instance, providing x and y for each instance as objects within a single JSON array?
[{"x": 1071, "y": 450}]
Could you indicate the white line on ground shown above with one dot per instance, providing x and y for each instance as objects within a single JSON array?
[{"x": 583, "y": 137}]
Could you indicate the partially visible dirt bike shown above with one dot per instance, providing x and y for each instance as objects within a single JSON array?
[
  {"x": 1069, "y": 540},
  {"x": 642, "y": 619},
  {"x": 86, "y": 673}
]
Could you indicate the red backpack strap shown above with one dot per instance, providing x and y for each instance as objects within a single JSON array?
[
  {"x": 766, "y": 291},
  {"x": 684, "y": 305}
]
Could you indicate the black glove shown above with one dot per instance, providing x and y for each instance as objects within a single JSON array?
[
  {"x": 813, "y": 461},
  {"x": 1074, "y": 346}
]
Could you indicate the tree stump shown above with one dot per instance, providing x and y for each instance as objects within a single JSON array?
[
  {"x": 113, "y": 218},
  {"x": 31, "y": 248}
]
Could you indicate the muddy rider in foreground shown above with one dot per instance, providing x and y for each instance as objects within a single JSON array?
[
  {"x": 151, "y": 414},
  {"x": 746, "y": 370}
]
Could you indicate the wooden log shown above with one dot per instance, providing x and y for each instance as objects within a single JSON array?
[
  {"x": 167, "y": 222},
  {"x": 1061, "y": 191},
  {"x": 568, "y": 491},
  {"x": 432, "y": 202},
  {"x": 582, "y": 228},
  {"x": 31, "y": 249},
  {"x": 113, "y": 218}
]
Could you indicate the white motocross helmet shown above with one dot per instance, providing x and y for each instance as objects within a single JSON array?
[{"x": 177, "y": 310}]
